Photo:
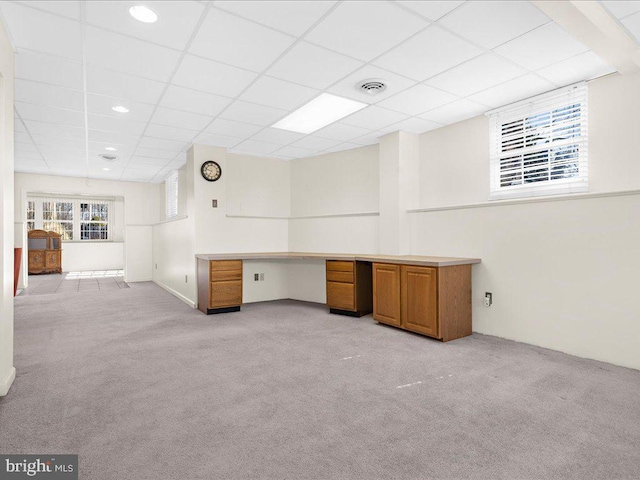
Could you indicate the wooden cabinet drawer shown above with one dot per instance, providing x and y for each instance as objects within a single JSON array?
[
  {"x": 226, "y": 293},
  {"x": 339, "y": 266},
  {"x": 341, "y": 296},
  {"x": 217, "y": 276},
  {"x": 222, "y": 265},
  {"x": 344, "y": 277}
]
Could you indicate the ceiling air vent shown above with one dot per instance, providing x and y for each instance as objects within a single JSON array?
[
  {"x": 108, "y": 157},
  {"x": 372, "y": 86}
]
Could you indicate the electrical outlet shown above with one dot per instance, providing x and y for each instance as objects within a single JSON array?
[
  {"x": 262, "y": 277},
  {"x": 256, "y": 277},
  {"x": 214, "y": 203},
  {"x": 186, "y": 279},
  {"x": 488, "y": 299},
  {"x": 156, "y": 266}
]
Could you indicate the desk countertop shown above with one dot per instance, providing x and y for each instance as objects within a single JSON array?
[{"x": 397, "y": 259}]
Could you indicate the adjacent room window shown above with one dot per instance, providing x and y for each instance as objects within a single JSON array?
[
  {"x": 171, "y": 194},
  {"x": 76, "y": 219},
  {"x": 539, "y": 146}
]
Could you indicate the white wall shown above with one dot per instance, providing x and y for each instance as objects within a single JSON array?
[
  {"x": 137, "y": 204},
  {"x": 563, "y": 272},
  {"x": 7, "y": 371},
  {"x": 138, "y": 253}
]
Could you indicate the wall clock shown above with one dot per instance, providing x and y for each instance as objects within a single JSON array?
[{"x": 211, "y": 171}]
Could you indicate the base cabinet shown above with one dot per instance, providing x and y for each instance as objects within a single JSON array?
[
  {"x": 44, "y": 252},
  {"x": 219, "y": 286},
  {"x": 349, "y": 287},
  {"x": 432, "y": 301}
]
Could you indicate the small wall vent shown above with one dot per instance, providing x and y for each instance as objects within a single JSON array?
[
  {"x": 371, "y": 86},
  {"x": 108, "y": 157}
]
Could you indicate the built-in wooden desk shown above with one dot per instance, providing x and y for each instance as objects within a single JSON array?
[{"x": 426, "y": 295}]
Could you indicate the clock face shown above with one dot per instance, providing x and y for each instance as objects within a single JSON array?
[{"x": 211, "y": 171}]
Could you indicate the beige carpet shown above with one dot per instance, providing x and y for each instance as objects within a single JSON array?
[{"x": 143, "y": 387}]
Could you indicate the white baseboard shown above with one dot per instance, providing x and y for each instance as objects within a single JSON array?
[
  {"x": 189, "y": 302},
  {"x": 5, "y": 384}
]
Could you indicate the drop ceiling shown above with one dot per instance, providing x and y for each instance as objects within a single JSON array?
[{"x": 221, "y": 73}]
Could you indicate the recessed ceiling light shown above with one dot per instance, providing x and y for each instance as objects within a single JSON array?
[
  {"x": 143, "y": 14},
  {"x": 120, "y": 109},
  {"x": 111, "y": 149},
  {"x": 106, "y": 169},
  {"x": 318, "y": 113}
]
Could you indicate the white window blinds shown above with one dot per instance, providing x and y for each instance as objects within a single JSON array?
[
  {"x": 171, "y": 194},
  {"x": 539, "y": 146}
]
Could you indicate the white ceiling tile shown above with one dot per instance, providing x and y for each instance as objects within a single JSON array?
[
  {"x": 417, "y": 99},
  {"x": 295, "y": 152},
  {"x": 72, "y": 118},
  {"x": 102, "y": 105},
  {"x": 622, "y": 8},
  {"x": 162, "y": 144},
  {"x": 581, "y": 67},
  {"x": 455, "y": 112},
  {"x": 42, "y": 31},
  {"x": 365, "y": 36},
  {"x": 171, "y": 133},
  {"x": 341, "y": 131},
  {"x": 236, "y": 41},
  {"x": 428, "y": 53},
  {"x": 541, "y": 47},
  {"x": 278, "y": 93},
  {"x": 255, "y": 148},
  {"x": 65, "y": 8},
  {"x": 372, "y": 138},
  {"x": 416, "y": 125},
  {"x": 477, "y": 74},
  {"x": 231, "y": 128},
  {"x": 152, "y": 152},
  {"x": 342, "y": 147},
  {"x": 121, "y": 85},
  {"x": 114, "y": 124},
  {"x": 44, "y": 141},
  {"x": 213, "y": 77},
  {"x": 176, "y": 20},
  {"x": 290, "y": 17},
  {"x": 632, "y": 23},
  {"x": 513, "y": 91},
  {"x": 432, "y": 9},
  {"x": 177, "y": 118},
  {"x": 27, "y": 155},
  {"x": 25, "y": 147},
  {"x": 143, "y": 161},
  {"x": 129, "y": 55},
  {"x": 21, "y": 137},
  {"x": 315, "y": 143},
  {"x": 115, "y": 138},
  {"x": 48, "y": 95},
  {"x": 22, "y": 165},
  {"x": 68, "y": 151},
  {"x": 348, "y": 86},
  {"x": 492, "y": 23},
  {"x": 217, "y": 140},
  {"x": 374, "y": 118},
  {"x": 276, "y": 136},
  {"x": 194, "y": 101},
  {"x": 313, "y": 66},
  {"x": 251, "y": 113},
  {"x": 18, "y": 126},
  {"x": 49, "y": 69},
  {"x": 54, "y": 130}
]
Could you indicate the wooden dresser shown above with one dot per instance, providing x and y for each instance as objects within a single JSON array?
[
  {"x": 44, "y": 252},
  {"x": 219, "y": 286},
  {"x": 349, "y": 287}
]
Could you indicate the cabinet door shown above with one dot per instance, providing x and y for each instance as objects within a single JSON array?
[
  {"x": 52, "y": 259},
  {"x": 420, "y": 300},
  {"x": 386, "y": 293},
  {"x": 225, "y": 294},
  {"x": 341, "y": 296},
  {"x": 36, "y": 261}
]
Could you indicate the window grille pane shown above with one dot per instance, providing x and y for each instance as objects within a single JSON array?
[{"x": 63, "y": 228}]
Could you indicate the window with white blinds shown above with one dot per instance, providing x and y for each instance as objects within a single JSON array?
[
  {"x": 539, "y": 146},
  {"x": 171, "y": 194},
  {"x": 75, "y": 218}
]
